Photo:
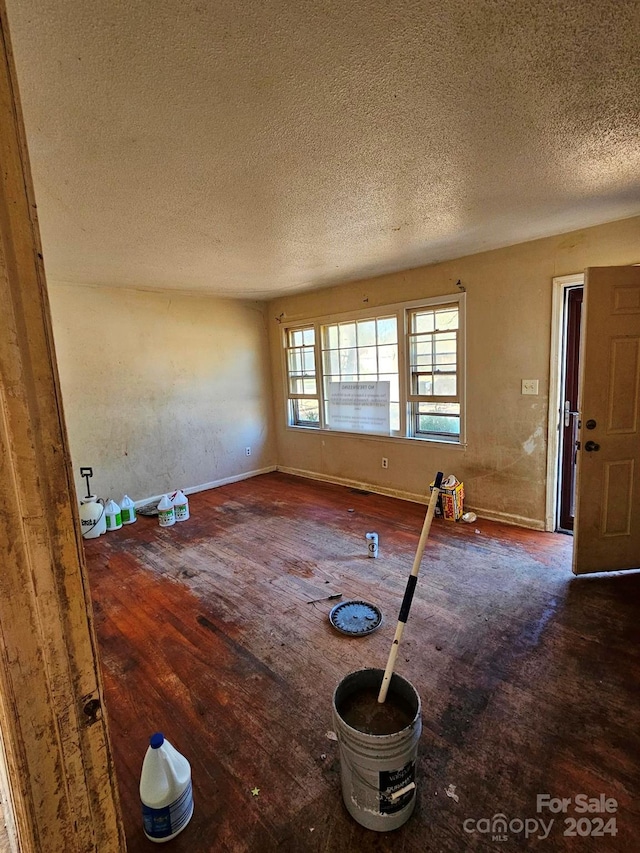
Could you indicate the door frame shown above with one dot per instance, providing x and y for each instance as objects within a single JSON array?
[
  {"x": 560, "y": 285},
  {"x": 56, "y": 765}
]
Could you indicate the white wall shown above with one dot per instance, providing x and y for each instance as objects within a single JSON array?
[{"x": 162, "y": 390}]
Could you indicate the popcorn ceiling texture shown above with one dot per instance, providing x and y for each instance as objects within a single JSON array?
[{"x": 260, "y": 149}]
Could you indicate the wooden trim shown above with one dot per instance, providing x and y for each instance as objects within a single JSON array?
[
  {"x": 505, "y": 517},
  {"x": 560, "y": 283},
  {"x": 573, "y": 311},
  {"x": 54, "y": 729}
]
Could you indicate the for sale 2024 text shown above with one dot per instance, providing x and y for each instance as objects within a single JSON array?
[{"x": 593, "y": 813}]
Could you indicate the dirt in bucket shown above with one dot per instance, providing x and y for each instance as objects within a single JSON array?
[{"x": 362, "y": 711}]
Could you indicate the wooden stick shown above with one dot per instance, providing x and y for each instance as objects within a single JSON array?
[{"x": 410, "y": 589}]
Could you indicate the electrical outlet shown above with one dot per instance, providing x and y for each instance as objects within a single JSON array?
[
  {"x": 247, "y": 451},
  {"x": 529, "y": 386},
  {"x": 385, "y": 462}
]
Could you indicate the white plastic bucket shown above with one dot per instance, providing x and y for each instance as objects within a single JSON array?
[{"x": 378, "y": 771}]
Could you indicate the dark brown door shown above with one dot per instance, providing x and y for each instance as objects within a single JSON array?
[{"x": 570, "y": 415}]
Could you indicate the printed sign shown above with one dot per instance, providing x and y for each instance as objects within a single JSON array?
[{"x": 359, "y": 406}]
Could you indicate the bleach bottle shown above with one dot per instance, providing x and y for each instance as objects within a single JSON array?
[
  {"x": 165, "y": 790},
  {"x": 127, "y": 510},
  {"x": 114, "y": 516},
  {"x": 166, "y": 512},
  {"x": 181, "y": 506}
]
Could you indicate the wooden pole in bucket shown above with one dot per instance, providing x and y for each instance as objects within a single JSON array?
[{"x": 410, "y": 589}]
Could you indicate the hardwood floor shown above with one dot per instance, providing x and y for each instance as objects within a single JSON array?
[{"x": 528, "y": 676}]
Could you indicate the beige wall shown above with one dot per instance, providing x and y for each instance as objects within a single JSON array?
[
  {"x": 509, "y": 294},
  {"x": 162, "y": 390}
]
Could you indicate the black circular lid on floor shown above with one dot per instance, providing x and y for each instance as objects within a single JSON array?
[{"x": 355, "y": 618}]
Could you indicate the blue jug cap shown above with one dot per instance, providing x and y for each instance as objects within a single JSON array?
[{"x": 156, "y": 740}]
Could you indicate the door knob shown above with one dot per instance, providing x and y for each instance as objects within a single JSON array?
[{"x": 591, "y": 446}]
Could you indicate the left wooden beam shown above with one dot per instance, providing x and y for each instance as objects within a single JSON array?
[{"x": 57, "y": 757}]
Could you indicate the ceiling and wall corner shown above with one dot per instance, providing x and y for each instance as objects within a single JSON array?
[{"x": 275, "y": 148}]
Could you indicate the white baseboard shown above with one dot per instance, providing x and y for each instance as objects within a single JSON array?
[
  {"x": 491, "y": 515},
  {"x": 510, "y": 518},
  {"x": 356, "y": 484},
  {"x": 214, "y": 484},
  {"x": 504, "y": 517}
]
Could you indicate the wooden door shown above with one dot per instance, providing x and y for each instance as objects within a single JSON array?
[
  {"x": 54, "y": 739},
  {"x": 607, "y": 526}
]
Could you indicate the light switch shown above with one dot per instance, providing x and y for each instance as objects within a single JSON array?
[{"x": 529, "y": 386}]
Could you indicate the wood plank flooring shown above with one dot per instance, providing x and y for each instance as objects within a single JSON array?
[{"x": 528, "y": 676}]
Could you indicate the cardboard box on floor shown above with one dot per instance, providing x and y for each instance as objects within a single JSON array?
[{"x": 451, "y": 499}]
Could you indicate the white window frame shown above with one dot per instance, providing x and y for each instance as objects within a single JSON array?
[
  {"x": 414, "y": 399},
  {"x": 401, "y": 311}
]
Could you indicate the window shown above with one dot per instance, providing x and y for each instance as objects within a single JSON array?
[
  {"x": 434, "y": 398},
  {"x": 362, "y": 350},
  {"x": 304, "y": 405},
  {"x": 418, "y": 349}
]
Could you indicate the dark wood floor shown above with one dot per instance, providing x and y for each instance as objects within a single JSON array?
[{"x": 528, "y": 676}]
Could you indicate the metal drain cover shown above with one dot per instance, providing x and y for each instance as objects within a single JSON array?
[{"x": 355, "y": 618}]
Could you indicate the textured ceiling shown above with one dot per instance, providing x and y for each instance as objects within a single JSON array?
[{"x": 269, "y": 147}]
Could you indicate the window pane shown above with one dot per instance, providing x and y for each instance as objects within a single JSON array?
[
  {"x": 331, "y": 337},
  {"x": 445, "y": 384},
  {"x": 423, "y": 321},
  {"x": 387, "y": 330},
  {"x": 295, "y": 360},
  {"x": 424, "y": 384},
  {"x": 366, "y": 333},
  {"x": 438, "y": 418},
  {"x": 446, "y": 344},
  {"x": 348, "y": 362},
  {"x": 309, "y": 386},
  {"x": 347, "y": 333},
  {"x": 442, "y": 424},
  {"x": 296, "y": 338},
  {"x": 388, "y": 358},
  {"x": 332, "y": 362},
  {"x": 446, "y": 360},
  {"x": 439, "y": 408},
  {"x": 447, "y": 318},
  {"x": 309, "y": 337},
  {"x": 367, "y": 361},
  {"x": 394, "y": 417},
  {"x": 394, "y": 385},
  {"x": 422, "y": 352},
  {"x": 306, "y": 412},
  {"x": 309, "y": 361}
]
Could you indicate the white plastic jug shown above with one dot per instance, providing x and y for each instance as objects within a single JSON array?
[
  {"x": 114, "y": 517},
  {"x": 181, "y": 506},
  {"x": 93, "y": 521},
  {"x": 127, "y": 510},
  {"x": 165, "y": 790},
  {"x": 166, "y": 512}
]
